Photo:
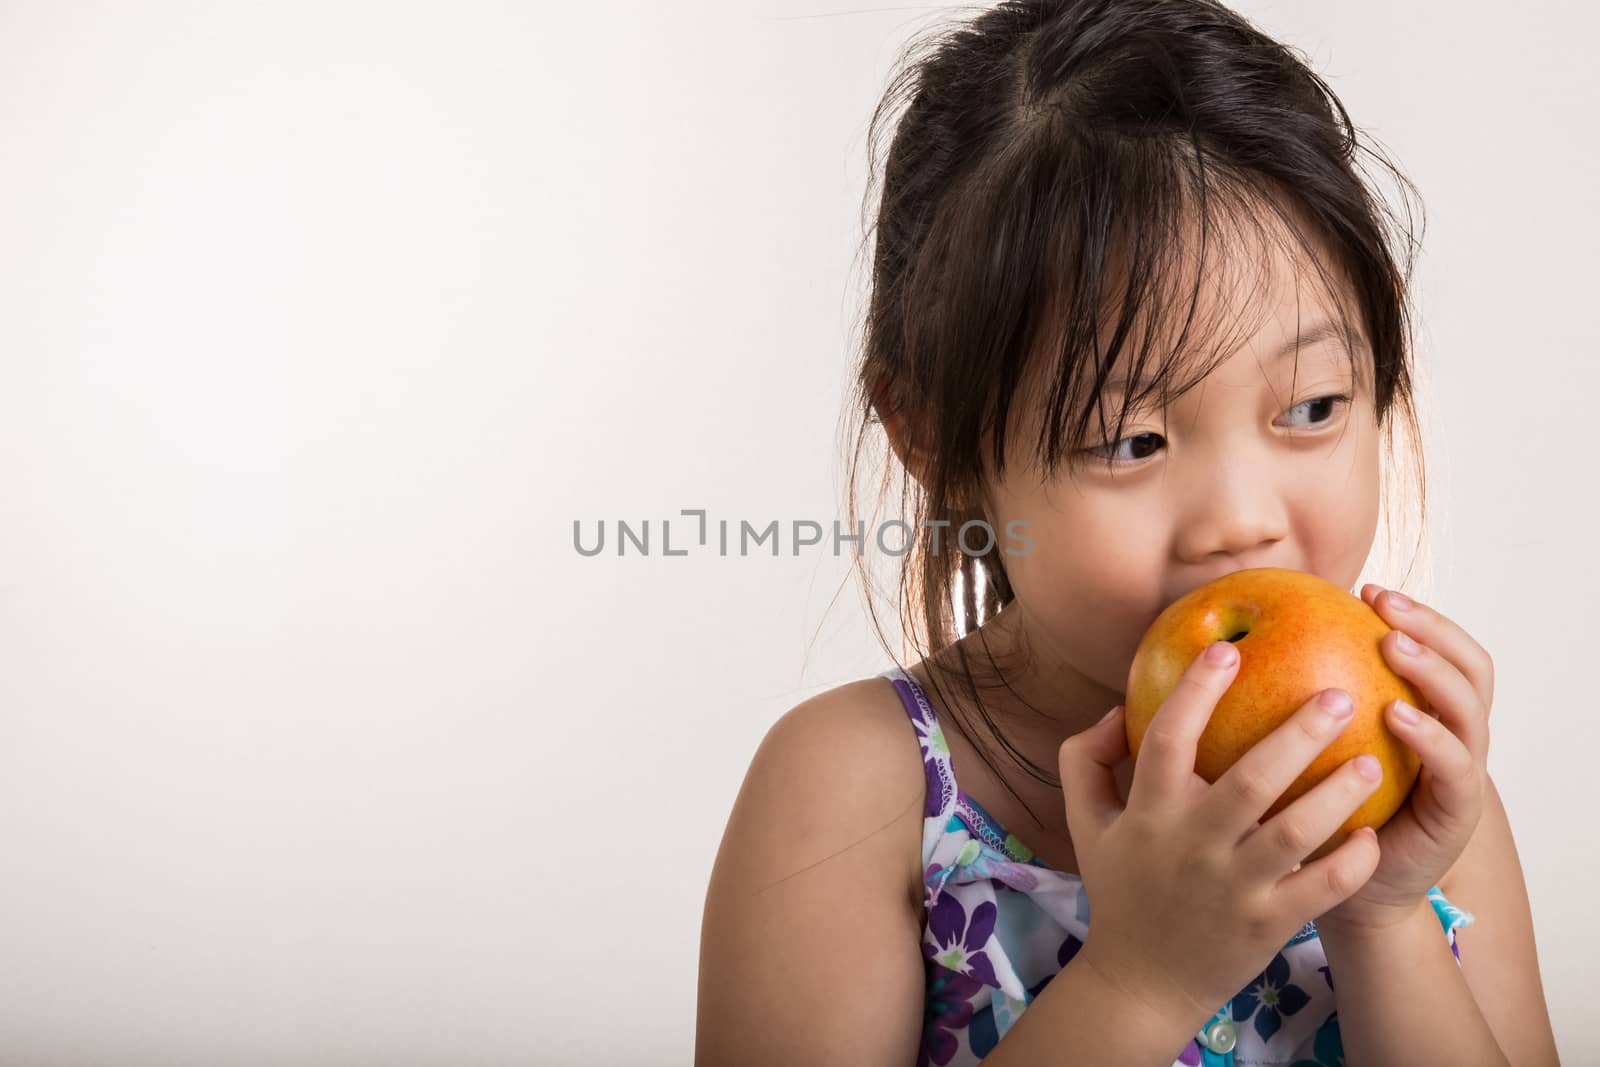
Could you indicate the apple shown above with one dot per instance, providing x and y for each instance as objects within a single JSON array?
[{"x": 1297, "y": 634}]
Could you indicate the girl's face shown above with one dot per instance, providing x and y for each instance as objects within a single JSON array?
[{"x": 1258, "y": 465}]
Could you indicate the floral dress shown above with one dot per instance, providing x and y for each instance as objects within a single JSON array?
[{"x": 1001, "y": 924}]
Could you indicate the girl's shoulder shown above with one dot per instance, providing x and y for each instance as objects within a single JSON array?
[
  {"x": 822, "y": 850},
  {"x": 850, "y": 762}
]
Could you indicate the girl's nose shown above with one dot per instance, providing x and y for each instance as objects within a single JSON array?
[{"x": 1233, "y": 511}]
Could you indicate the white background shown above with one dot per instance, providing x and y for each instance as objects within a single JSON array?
[{"x": 321, "y": 323}]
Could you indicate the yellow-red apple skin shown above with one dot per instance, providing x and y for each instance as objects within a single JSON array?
[{"x": 1303, "y": 634}]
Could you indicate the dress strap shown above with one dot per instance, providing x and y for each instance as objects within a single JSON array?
[{"x": 942, "y": 791}]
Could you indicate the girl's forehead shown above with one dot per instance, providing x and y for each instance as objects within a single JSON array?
[
  {"x": 1256, "y": 287},
  {"x": 1249, "y": 280},
  {"x": 1321, "y": 340}
]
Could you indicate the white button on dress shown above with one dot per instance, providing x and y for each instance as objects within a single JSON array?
[{"x": 1221, "y": 1037}]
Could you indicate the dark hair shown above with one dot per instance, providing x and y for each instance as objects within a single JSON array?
[{"x": 1036, "y": 203}]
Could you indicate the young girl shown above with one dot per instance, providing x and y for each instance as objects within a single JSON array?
[{"x": 1135, "y": 323}]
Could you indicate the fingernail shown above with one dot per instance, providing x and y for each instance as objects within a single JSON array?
[
  {"x": 1108, "y": 715},
  {"x": 1405, "y": 644},
  {"x": 1399, "y": 601},
  {"x": 1337, "y": 703},
  {"x": 1406, "y": 713},
  {"x": 1222, "y": 654},
  {"x": 1367, "y": 766}
]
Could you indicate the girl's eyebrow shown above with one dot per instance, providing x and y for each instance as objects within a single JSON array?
[{"x": 1325, "y": 330}]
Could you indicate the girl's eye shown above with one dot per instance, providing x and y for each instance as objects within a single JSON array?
[
  {"x": 1143, "y": 444},
  {"x": 1137, "y": 440},
  {"x": 1329, "y": 404}
]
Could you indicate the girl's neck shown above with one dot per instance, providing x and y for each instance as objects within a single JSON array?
[
  {"x": 1064, "y": 703},
  {"x": 1036, "y": 698}
]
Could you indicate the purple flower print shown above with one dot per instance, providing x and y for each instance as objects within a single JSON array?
[
  {"x": 1069, "y": 948},
  {"x": 1190, "y": 1056},
  {"x": 1272, "y": 996},
  {"x": 983, "y": 1034},
  {"x": 988, "y": 864},
  {"x": 935, "y": 786},
  {"x": 930, "y": 738},
  {"x": 946, "y": 1011},
  {"x": 960, "y": 942}
]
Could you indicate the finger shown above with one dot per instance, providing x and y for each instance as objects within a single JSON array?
[
  {"x": 1305, "y": 825},
  {"x": 1087, "y": 779},
  {"x": 1450, "y": 767},
  {"x": 1438, "y": 632},
  {"x": 1316, "y": 887},
  {"x": 1444, "y": 688},
  {"x": 1258, "y": 778},
  {"x": 1165, "y": 764}
]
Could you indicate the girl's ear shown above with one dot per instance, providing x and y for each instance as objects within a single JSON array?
[
  {"x": 911, "y": 453},
  {"x": 909, "y": 445},
  {"x": 909, "y": 440}
]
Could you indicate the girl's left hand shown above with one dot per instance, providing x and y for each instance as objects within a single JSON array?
[{"x": 1424, "y": 838}]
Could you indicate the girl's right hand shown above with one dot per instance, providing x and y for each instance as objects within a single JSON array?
[{"x": 1190, "y": 895}]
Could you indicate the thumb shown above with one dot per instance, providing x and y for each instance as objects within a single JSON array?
[{"x": 1088, "y": 780}]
